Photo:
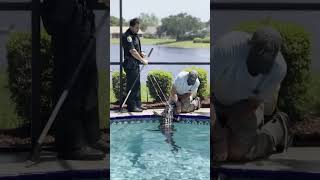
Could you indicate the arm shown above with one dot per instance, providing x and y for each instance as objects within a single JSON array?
[
  {"x": 185, "y": 96},
  {"x": 137, "y": 56},
  {"x": 173, "y": 95},
  {"x": 243, "y": 109},
  {"x": 142, "y": 54}
]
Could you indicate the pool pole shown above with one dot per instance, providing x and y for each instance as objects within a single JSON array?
[{"x": 135, "y": 81}]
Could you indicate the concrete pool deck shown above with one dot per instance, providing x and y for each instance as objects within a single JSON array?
[
  {"x": 305, "y": 159},
  {"x": 116, "y": 113},
  {"x": 15, "y": 165},
  {"x": 297, "y": 162}
]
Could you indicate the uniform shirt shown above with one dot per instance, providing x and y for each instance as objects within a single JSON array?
[
  {"x": 231, "y": 80},
  {"x": 181, "y": 84},
  {"x": 130, "y": 41}
]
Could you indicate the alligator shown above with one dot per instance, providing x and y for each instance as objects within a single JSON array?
[{"x": 166, "y": 126}]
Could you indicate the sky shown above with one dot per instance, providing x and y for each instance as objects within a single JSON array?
[{"x": 161, "y": 8}]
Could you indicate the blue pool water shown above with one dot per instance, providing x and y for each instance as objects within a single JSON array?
[{"x": 139, "y": 152}]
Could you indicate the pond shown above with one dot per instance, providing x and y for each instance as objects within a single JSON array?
[{"x": 167, "y": 54}]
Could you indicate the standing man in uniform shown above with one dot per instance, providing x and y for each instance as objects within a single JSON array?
[
  {"x": 71, "y": 25},
  {"x": 247, "y": 73},
  {"x": 133, "y": 57}
]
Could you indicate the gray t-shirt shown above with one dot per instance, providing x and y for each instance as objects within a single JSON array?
[{"x": 231, "y": 79}]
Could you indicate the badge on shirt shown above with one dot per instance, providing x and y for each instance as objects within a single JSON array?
[{"x": 129, "y": 39}]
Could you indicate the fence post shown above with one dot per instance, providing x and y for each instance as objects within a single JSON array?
[{"x": 35, "y": 94}]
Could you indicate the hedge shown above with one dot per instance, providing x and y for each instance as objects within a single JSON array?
[
  {"x": 296, "y": 48},
  {"x": 116, "y": 85},
  {"x": 164, "y": 80},
  {"x": 19, "y": 74},
  {"x": 19, "y": 77},
  {"x": 201, "y": 40}
]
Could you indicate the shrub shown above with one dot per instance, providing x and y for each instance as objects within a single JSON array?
[
  {"x": 19, "y": 74},
  {"x": 199, "y": 40},
  {"x": 116, "y": 85},
  {"x": 202, "y": 90},
  {"x": 206, "y": 40},
  {"x": 164, "y": 80},
  {"x": 296, "y": 51}
]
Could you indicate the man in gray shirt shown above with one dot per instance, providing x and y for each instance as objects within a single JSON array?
[{"x": 247, "y": 74}]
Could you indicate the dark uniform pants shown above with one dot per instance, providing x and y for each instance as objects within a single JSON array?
[
  {"x": 77, "y": 124},
  {"x": 134, "y": 100}
]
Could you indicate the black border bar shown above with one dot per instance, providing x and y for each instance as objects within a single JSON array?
[
  {"x": 15, "y": 6},
  {"x": 254, "y": 6}
]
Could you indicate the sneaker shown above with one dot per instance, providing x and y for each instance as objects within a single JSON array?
[{"x": 288, "y": 137}]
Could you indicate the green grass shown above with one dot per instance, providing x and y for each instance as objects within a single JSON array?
[
  {"x": 187, "y": 44},
  {"x": 144, "y": 94},
  {"x": 8, "y": 117},
  {"x": 168, "y": 43}
]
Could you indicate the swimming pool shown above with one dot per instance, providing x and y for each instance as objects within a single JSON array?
[{"x": 140, "y": 151}]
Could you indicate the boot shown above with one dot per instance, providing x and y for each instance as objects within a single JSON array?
[{"x": 101, "y": 145}]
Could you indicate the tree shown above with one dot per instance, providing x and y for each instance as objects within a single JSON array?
[
  {"x": 148, "y": 20},
  {"x": 115, "y": 21},
  {"x": 181, "y": 26}
]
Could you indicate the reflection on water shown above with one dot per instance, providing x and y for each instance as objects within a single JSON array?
[{"x": 166, "y": 54}]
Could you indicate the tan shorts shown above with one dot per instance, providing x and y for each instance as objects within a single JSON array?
[{"x": 240, "y": 140}]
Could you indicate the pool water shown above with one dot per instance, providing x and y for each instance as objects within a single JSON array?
[{"x": 139, "y": 151}]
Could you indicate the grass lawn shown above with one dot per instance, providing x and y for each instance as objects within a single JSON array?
[
  {"x": 168, "y": 43},
  {"x": 187, "y": 44},
  {"x": 8, "y": 117},
  {"x": 144, "y": 94}
]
